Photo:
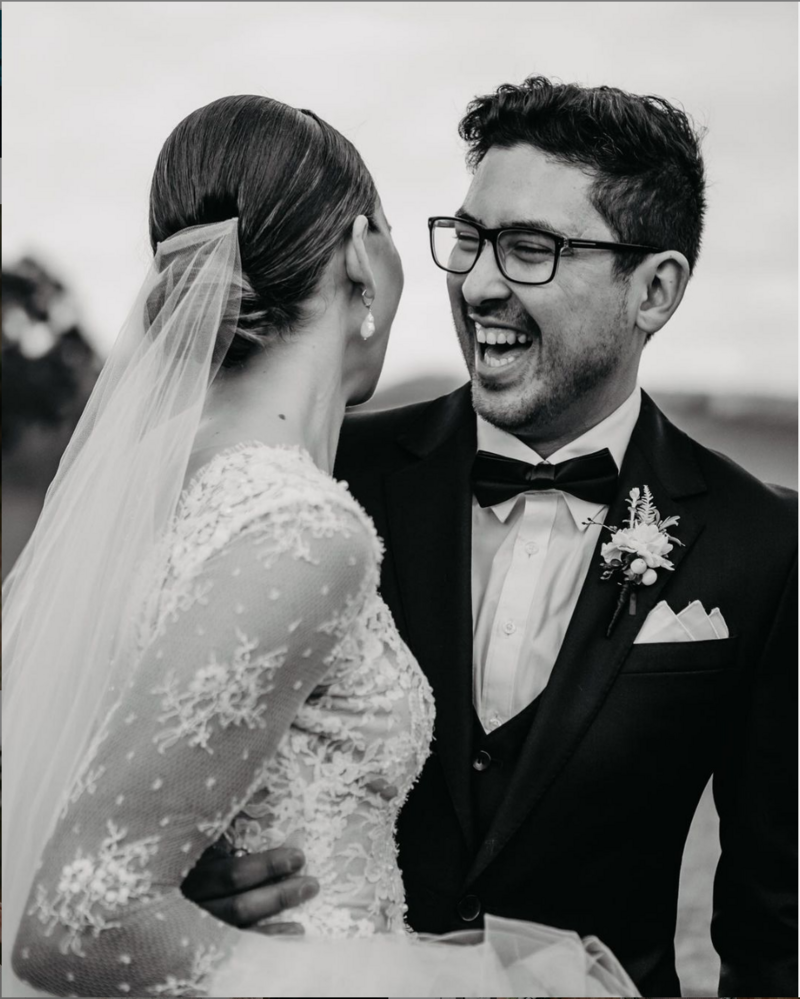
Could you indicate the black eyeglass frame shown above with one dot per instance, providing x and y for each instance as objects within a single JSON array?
[{"x": 562, "y": 243}]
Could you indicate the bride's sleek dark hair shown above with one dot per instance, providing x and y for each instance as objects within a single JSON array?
[{"x": 295, "y": 184}]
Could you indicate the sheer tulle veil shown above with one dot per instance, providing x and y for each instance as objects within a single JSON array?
[{"x": 69, "y": 603}]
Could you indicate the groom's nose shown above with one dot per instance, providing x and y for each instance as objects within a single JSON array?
[{"x": 485, "y": 282}]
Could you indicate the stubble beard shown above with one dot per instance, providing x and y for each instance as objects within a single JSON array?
[{"x": 561, "y": 380}]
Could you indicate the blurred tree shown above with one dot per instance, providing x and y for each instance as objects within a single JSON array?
[{"x": 49, "y": 370}]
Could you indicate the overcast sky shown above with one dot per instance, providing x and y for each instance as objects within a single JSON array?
[{"x": 93, "y": 89}]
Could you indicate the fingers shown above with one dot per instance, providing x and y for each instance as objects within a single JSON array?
[
  {"x": 218, "y": 878},
  {"x": 278, "y": 929},
  {"x": 382, "y": 787},
  {"x": 250, "y": 907}
]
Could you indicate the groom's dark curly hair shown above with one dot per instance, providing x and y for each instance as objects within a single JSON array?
[{"x": 644, "y": 154}]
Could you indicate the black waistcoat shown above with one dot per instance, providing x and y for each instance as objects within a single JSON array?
[{"x": 494, "y": 757}]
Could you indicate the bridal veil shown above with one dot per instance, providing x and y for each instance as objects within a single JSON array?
[{"x": 71, "y": 599}]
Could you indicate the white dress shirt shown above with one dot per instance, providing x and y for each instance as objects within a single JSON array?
[{"x": 530, "y": 556}]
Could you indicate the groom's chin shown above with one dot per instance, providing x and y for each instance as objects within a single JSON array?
[
  {"x": 503, "y": 408},
  {"x": 491, "y": 402}
]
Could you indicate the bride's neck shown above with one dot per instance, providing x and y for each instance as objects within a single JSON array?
[{"x": 292, "y": 393}]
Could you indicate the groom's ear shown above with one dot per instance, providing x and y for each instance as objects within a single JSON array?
[
  {"x": 356, "y": 257},
  {"x": 659, "y": 284}
]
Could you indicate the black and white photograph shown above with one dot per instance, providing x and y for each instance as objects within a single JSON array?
[{"x": 400, "y": 499}]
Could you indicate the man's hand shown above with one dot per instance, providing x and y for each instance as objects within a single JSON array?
[{"x": 245, "y": 891}]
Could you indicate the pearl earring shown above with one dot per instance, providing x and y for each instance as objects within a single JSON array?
[{"x": 368, "y": 326}]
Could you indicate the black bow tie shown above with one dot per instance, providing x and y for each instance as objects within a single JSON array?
[{"x": 591, "y": 477}]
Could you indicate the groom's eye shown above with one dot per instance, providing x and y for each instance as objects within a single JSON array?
[{"x": 532, "y": 250}]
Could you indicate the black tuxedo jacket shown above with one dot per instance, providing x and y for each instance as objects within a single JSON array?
[{"x": 591, "y": 832}]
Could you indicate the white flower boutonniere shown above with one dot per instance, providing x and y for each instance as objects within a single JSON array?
[{"x": 635, "y": 552}]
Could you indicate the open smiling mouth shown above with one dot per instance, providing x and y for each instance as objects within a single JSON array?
[{"x": 500, "y": 347}]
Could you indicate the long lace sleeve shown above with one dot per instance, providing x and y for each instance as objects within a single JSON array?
[{"x": 242, "y": 641}]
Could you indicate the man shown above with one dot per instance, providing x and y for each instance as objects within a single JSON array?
[{"x": 570, "y": 752}]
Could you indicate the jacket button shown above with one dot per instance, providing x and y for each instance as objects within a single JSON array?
[
  {"x": 482, "y": 760},
  {"x": 469, "y": 908}
]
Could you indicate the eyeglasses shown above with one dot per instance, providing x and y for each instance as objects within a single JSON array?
[{"x": 525, "y": 256}]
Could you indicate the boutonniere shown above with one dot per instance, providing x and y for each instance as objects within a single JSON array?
[{"x": 636, "y": 552}]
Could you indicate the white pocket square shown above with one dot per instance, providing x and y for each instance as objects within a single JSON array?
[{"x": 693, "y": 624}]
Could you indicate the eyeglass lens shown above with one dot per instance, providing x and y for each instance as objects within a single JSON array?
[{"x": 524, "y": 256}]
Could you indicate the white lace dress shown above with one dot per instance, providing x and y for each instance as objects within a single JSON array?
[{"x": 271, "y": 686}]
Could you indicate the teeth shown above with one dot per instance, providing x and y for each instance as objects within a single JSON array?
[
  {"x": 499, "y": 362},
  {"x": 498, "y": 336}
]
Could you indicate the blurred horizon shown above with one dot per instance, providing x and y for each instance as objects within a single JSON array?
[{"x": 84, "y": 122}]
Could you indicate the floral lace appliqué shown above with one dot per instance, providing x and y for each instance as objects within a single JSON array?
[
  {"x": 374, "y": 718},
  {"x": 226, "y": 693},
  {"x": 93, "y": 887}
]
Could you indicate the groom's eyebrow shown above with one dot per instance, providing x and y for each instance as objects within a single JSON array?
[{"x": 461, "y": 213}]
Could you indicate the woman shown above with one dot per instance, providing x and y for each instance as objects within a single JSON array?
[{"x": 195, "y": 647}]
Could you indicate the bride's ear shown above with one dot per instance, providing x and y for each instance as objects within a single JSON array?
[{"x": 357, "y": 264}]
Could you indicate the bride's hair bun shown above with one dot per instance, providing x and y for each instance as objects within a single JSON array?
[{"x": 296, "y": 185}]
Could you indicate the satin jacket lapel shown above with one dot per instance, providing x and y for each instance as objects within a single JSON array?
[
  {"x": 661, "y": 457},
  {"x": 429, "y": 505}
]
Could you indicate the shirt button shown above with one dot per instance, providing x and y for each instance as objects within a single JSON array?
[
  {"x": 469, "y": 908},
  {"x": 482, "y": 761},
  {"x": 509, "y": 627},
  {"x": 494, "y": 721},
  {"x": 531, "y": 547}
]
